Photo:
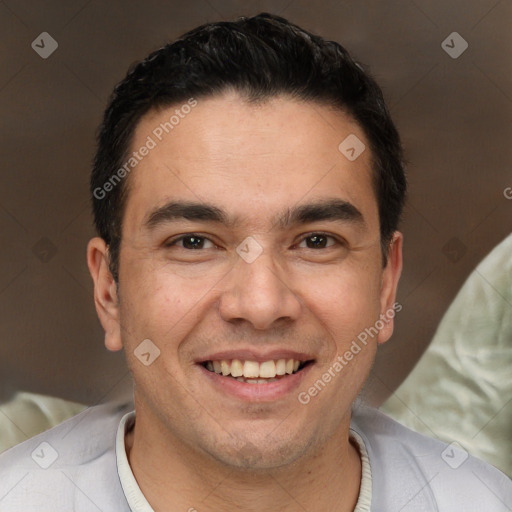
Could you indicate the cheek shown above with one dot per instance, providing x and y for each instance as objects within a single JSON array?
[
  {"x": 162, "y": 305},
  {"x": 164, "y": 311},
  {"x": 346, "y": 301}
]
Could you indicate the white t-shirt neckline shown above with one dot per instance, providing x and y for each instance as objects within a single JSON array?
[{"x": 138, "y": 503}]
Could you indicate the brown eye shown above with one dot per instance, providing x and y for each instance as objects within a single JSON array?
[
  {"x": 191, "y": 242},
  {"x": 317, "y": 241}
]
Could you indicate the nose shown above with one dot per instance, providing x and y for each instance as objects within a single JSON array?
[{"x": 258, "y": 293}]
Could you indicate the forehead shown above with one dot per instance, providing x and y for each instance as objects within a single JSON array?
[{"x": 249, "y": 159}]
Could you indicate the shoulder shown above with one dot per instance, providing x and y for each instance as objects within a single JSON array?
[
  {"x": 412, "y": 472},
  {"x": 69, "y": 467}
]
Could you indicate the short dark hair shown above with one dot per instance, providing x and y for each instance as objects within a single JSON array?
[{"x": 260, "y": 57}]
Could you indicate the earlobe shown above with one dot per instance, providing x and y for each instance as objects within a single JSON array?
[
  {"x": 105, "y": 292},
  {"x": 390, "y": 278}
]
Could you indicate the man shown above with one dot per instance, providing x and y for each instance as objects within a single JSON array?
[{"x": 247, "y": 190}]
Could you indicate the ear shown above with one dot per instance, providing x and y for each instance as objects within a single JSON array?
[
  {"x": 390, "y": 277},
  {"x": 105, "y": 292}
]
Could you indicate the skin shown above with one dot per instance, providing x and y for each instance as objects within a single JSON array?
[{"x": 192, "y": 445}]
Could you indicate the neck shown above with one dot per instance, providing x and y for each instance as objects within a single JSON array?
[{"x": 169, "y": 472}]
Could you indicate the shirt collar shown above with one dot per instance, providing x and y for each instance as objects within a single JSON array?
[{"x": 138, "y": 503}]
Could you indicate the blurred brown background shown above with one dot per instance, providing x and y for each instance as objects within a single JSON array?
[{"x": 453, "y": 113}]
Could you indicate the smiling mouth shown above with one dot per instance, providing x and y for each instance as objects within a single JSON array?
[{"x": 254, "y": 372}]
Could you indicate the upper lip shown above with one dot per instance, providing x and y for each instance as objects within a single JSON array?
[{"x": 250, "y": 354}]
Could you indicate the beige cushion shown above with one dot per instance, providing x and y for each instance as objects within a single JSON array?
[
  {"x": 461, "y": 389},
  {"x": 28, "y": 414}
]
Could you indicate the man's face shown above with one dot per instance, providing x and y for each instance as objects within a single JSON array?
[{"x": 284, "y": 264}]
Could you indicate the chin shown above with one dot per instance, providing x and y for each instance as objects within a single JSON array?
[{"x": 261, "y": 454}]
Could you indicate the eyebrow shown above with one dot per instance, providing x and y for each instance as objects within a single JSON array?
[
  {"x": 324, "y": 210},
  {"x": 177, "y": 210}
]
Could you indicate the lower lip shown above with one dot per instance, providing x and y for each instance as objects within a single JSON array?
[{"x": 257, "y": 392}]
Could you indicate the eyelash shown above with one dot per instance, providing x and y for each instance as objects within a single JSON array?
[
  {"x": 175, "y": 241},
  {"x": 327, "y": 235}
]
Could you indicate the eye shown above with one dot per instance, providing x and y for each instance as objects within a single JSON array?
[
  {"x": 191, "y": 241},
  {"x": 318, "y": 241}
]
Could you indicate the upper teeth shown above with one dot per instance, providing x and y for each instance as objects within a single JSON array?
[{"x": 253, "y": 369}]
